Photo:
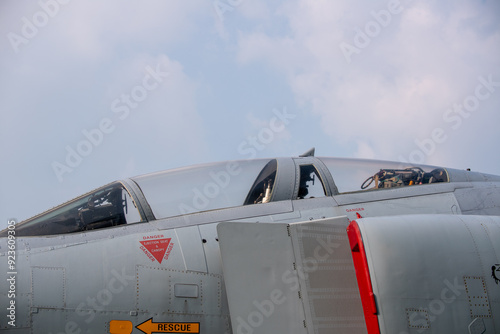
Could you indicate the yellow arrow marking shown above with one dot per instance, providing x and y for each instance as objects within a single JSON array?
[
  {"x": 120, "y": 327},
  {"x": 149, "y": 327}
]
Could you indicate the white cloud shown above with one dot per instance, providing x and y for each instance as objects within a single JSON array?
[
  {"x": 65, "y": 80},
  {"x": 255, "y": 10},
  {"x": 166, "y": 122},
  {"x": 281, "y": 53},
  {"x": 422, "y": 59},
  {"x": 93, "y": 30},
  {"x": 364, "y": 151}
]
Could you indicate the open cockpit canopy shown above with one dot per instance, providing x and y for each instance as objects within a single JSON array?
[{"x": 356, "y": 175}]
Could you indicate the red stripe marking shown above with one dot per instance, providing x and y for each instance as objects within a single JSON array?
[{"x": 363, "y": 277}]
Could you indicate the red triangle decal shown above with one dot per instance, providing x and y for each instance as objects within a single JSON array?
[{"x": 157, "y": 247}]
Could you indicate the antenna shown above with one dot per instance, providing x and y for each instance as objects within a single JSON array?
[{"x": 309, "y": 153}]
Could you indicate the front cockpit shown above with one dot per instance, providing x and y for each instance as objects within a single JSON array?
[{"x": 111, "y": 205}]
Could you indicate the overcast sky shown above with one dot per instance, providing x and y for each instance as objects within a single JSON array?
[{"x": 93, "y": 91}]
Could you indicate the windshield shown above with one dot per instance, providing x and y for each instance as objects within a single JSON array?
[{"x": 108, "y": 206}]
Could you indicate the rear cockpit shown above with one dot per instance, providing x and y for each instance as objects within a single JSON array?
[
  {"x": 390, "y": 178},
  {"x": 352, "y": 175}
]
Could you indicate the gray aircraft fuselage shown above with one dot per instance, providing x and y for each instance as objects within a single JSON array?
[{"x": 286, "y": 245}]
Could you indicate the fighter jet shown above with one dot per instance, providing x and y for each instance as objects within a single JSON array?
[{"x": 284, "y": 245}]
